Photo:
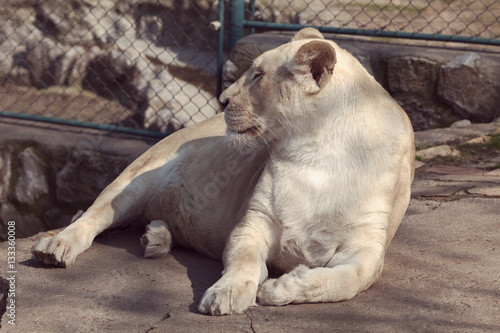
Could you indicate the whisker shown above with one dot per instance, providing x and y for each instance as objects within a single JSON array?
[
  {"x": 257, "y": 53},
  {"x": 273, "y": 136}
]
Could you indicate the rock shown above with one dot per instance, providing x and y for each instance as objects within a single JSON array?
[
  {"x": 26, "y": 224},
  {"x": 495, "y": 132},
  {"x": 229, "y": 73},
  {"x": 304, "y": 17},
  {"x": 44, "y": 59},
  {"x": 455, "y": 171},
  {"x": 76, "y": 64},
  {"x": 24, "y": 200},
  {"x": 492, "y": 192},
  {"x": 467, "y": 84},
  {"x": 443, "y": 150},
  {"x": 159, "y": 116},
  {"x": 78, "y": 184},
  {"x": 312, "y": 14},
  {"x": 65, "y": 21},
  {"x": 54, "y": 218},
  {"x": 495, "y": 173},
  {"x": 161, "y": 94},
  {"x": 32, "y": 187},
  {"x": 425, "y": 115},
  {"x": 13, "y": 65},
  {"x": 215, "y": 25},
  {"x": 173, "y": 103},
  {"x": 480, "y": 139},
  {"x": 112, "y": 74},
  {"x": 5, "y": 172},
  {"x": 412, "y": 81},
  {"x": 411, "y": 75},
  {"x": 418, "y": 164},
  {"x": 461, "y": 123},
  {"x": 105, "y": 24},
  {"x": 444, "y": 135}
]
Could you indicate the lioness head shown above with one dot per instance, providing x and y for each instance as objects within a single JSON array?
[{"x": 280, "y": 90}]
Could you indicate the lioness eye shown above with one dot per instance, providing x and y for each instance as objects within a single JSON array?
[{"x": 256, "y": 75}]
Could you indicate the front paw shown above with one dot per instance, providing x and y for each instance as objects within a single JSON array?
[
  {"x": 54, "y": 251},
  {"x": 274, "y": 292},
  {"x": 223, "y": 299}
]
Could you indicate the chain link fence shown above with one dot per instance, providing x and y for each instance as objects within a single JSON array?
[
  {"x": 468, "y": 18},
  {"x": 152, "y": 64},
  {"x": 147, "y": 65}
]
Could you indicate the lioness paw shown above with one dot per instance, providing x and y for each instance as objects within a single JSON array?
[
  {"x": 157, "y": 240},
  {"x": 54, "y": 251},
  {"x": 231, "y": 299},
  {"x": 273, "y": 292}
]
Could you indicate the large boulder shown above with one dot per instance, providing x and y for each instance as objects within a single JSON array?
[
  {"x": 413, "y": 81},
  {"x": 85, "y": 175},
  {"x": 13, "y": 39},
  {"x": 415, "y": 75},
  {"x": 24, "y": 190},
  {"x": 470, "y": 85},
  {"x": 32, "y": 187},
  {"x": 5, "y": 172}
]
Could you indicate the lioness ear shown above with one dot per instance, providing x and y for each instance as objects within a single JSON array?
[
  {"x": 308, "y": 33},
  {"x": 313, "y": 65}
]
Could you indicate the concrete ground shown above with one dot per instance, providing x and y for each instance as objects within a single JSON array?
[{"x": 442, "y": 274}]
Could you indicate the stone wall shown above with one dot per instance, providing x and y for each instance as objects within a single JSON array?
[
  {"x": 47, "y": 175},
  {"x": 436, "y": 84},
  {"x": 41, "y": 190}
]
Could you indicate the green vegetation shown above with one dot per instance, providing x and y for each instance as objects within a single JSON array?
[
  {"x": 469, "y": 153},
  {"x": 494, "y": 143}
]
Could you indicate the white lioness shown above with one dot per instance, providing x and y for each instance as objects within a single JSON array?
[{"x": 311, "y": 180}]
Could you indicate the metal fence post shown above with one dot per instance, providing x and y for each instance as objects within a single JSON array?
[
  {"x": 235, "y": 26},
  {"x": 220, "y": 49}
]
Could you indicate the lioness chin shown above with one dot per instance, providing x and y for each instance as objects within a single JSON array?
[{"x": 311, "y": 180}]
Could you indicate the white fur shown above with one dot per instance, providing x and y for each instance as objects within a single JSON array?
[
  {"x": 157, "y": 240},
  {"x": 313, "y": 184}
]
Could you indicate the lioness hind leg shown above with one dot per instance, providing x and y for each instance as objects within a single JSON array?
[
  {"x": 54, "y": 251},
  {"x": 157, "y": 240},
  {"x": 62, "y": 248}
]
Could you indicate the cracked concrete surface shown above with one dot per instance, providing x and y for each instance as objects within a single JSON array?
[{"x": 442, "y": 274}]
